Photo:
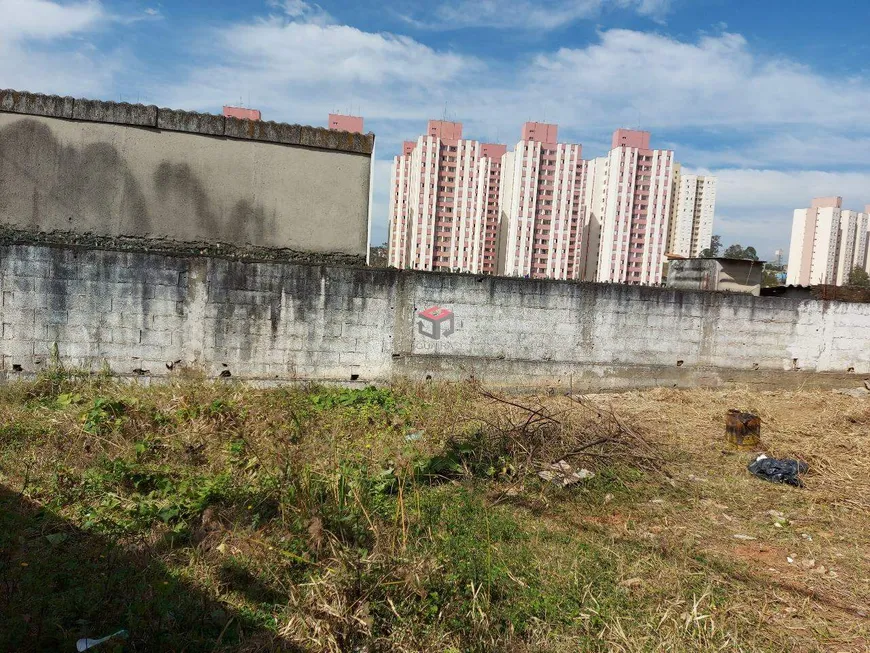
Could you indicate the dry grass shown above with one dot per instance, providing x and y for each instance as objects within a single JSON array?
[
  {"x": 713, "y": 498},
  {"x": 221, "y": 517}
]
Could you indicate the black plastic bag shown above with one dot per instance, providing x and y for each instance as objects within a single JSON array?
[{"x": 778, "y": 471}]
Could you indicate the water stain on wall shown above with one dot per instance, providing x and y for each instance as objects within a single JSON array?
[
  {"x": 48, "y": 186},
  {"x": 51, "y": 186}
]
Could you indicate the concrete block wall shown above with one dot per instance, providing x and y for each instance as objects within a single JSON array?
[
  {"x": 141, "y": 313},
  {"x": 599, "y": 336},
  {"x": 120, "y": 170}
]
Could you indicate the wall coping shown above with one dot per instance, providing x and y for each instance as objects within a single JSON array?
[
  {"x": 192, "y": 122},
  {"x": 76, "y": 241},
  {"x": 224, "y": 253}
]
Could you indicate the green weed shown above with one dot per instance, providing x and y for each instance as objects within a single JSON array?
[
  {"x": 104, "y": 416},
  {"x": 207, "y": 516}
]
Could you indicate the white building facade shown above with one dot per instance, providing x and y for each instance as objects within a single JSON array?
[
  {"x": 633, "y": 194},
  {"x": 443, "y": 212},
  {"x": 541, "y": 205},
  {"x": 827, "y": 243},
  {"x": 693, "y": 207}
]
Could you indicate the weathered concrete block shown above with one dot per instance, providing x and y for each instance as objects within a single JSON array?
[
  {"x": 22, "y": 284},
  {"x": 151, "y": 337},
  {"x": 19, "y": 315},
  {"x": 120, "y": 113},
  {"x": 48, "y": 316},
  {"x": 125, "y": 336},
  {"x": 316, "y": 137},
  {"x": 83, "y": 317},
  {"x": 19, "y": 349},
  {"x": 261, "y": 130},
  {"x": 161, "y": 276},
  {"x": 25, "y": 267},
  {"x": 128, "y": 303},
  {"x": 164, "y": 322},
  {"x": 112, "y": 271},
  {"x": 64, "y": 270},
  {"x": 190, "y": 121},
  {"x": 36, "y": 104},
  {"x": 88, "y": 305},
  {"x": 166, "y": 307},
  {"x": 16, "y": 331}
]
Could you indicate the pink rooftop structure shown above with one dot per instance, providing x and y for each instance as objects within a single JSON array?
[{"x": 242, "y": 113}]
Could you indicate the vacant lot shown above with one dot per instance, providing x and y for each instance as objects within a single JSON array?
[{"x": 212, "y": 516}]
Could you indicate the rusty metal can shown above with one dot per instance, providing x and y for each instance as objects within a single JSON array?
[{"x": 743, "y": 430}]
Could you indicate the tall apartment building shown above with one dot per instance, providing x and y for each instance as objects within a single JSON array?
[
  {"x": 444, "y": 202},
  {"x": 541, "y": 206},
  {"x": 693, "y": 204},
  {"x": 541, "y": 211},
  {"x": 862, "y": 240},
  {"x": 628, "y": 210},
  {"x": 827, "y": 242}
]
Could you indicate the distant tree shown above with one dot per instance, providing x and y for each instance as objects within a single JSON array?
[
  {"x": 733, "y": 251},
  {"x": 769, "y": 279},
  {"x": 378, "y": 256},
  {"x": 738, "y": 251},
  {"x": 713, "y": 250},
  {"x": 858, "y": 278}
]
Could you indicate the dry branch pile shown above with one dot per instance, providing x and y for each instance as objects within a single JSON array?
[{"x": 535, "y": 434}]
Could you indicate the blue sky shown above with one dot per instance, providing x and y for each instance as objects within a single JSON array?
[{"x": 771, "y": 96}]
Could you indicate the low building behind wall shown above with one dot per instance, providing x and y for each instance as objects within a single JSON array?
[
  {"x": 151, "y": 315},
  {"x": 119, "y": 170},
  {"x": 716, "y": 274}
]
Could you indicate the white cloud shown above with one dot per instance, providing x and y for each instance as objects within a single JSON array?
[
  {"x": 659, "y": 81},
  {"x": 657, "y": 9},
  {"x": 41, "y": 19},
  {"x": 299, "y": 10},
  {"x": 304, "y": 52},
  {"x": 624, "y": 78},
  {"x": 751, "y": 189},
  {"x": 510, "y": 13},
  {"x": 299, "y": 71},
  {"x": 789, "y": 148},
  {"x": 528, "y": 14},
  {"x": 42, "y": 48}
]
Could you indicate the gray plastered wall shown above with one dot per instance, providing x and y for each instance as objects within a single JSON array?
[
  {"x": 116, "y": 169},
  {"x": 279, "y": 322}
]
